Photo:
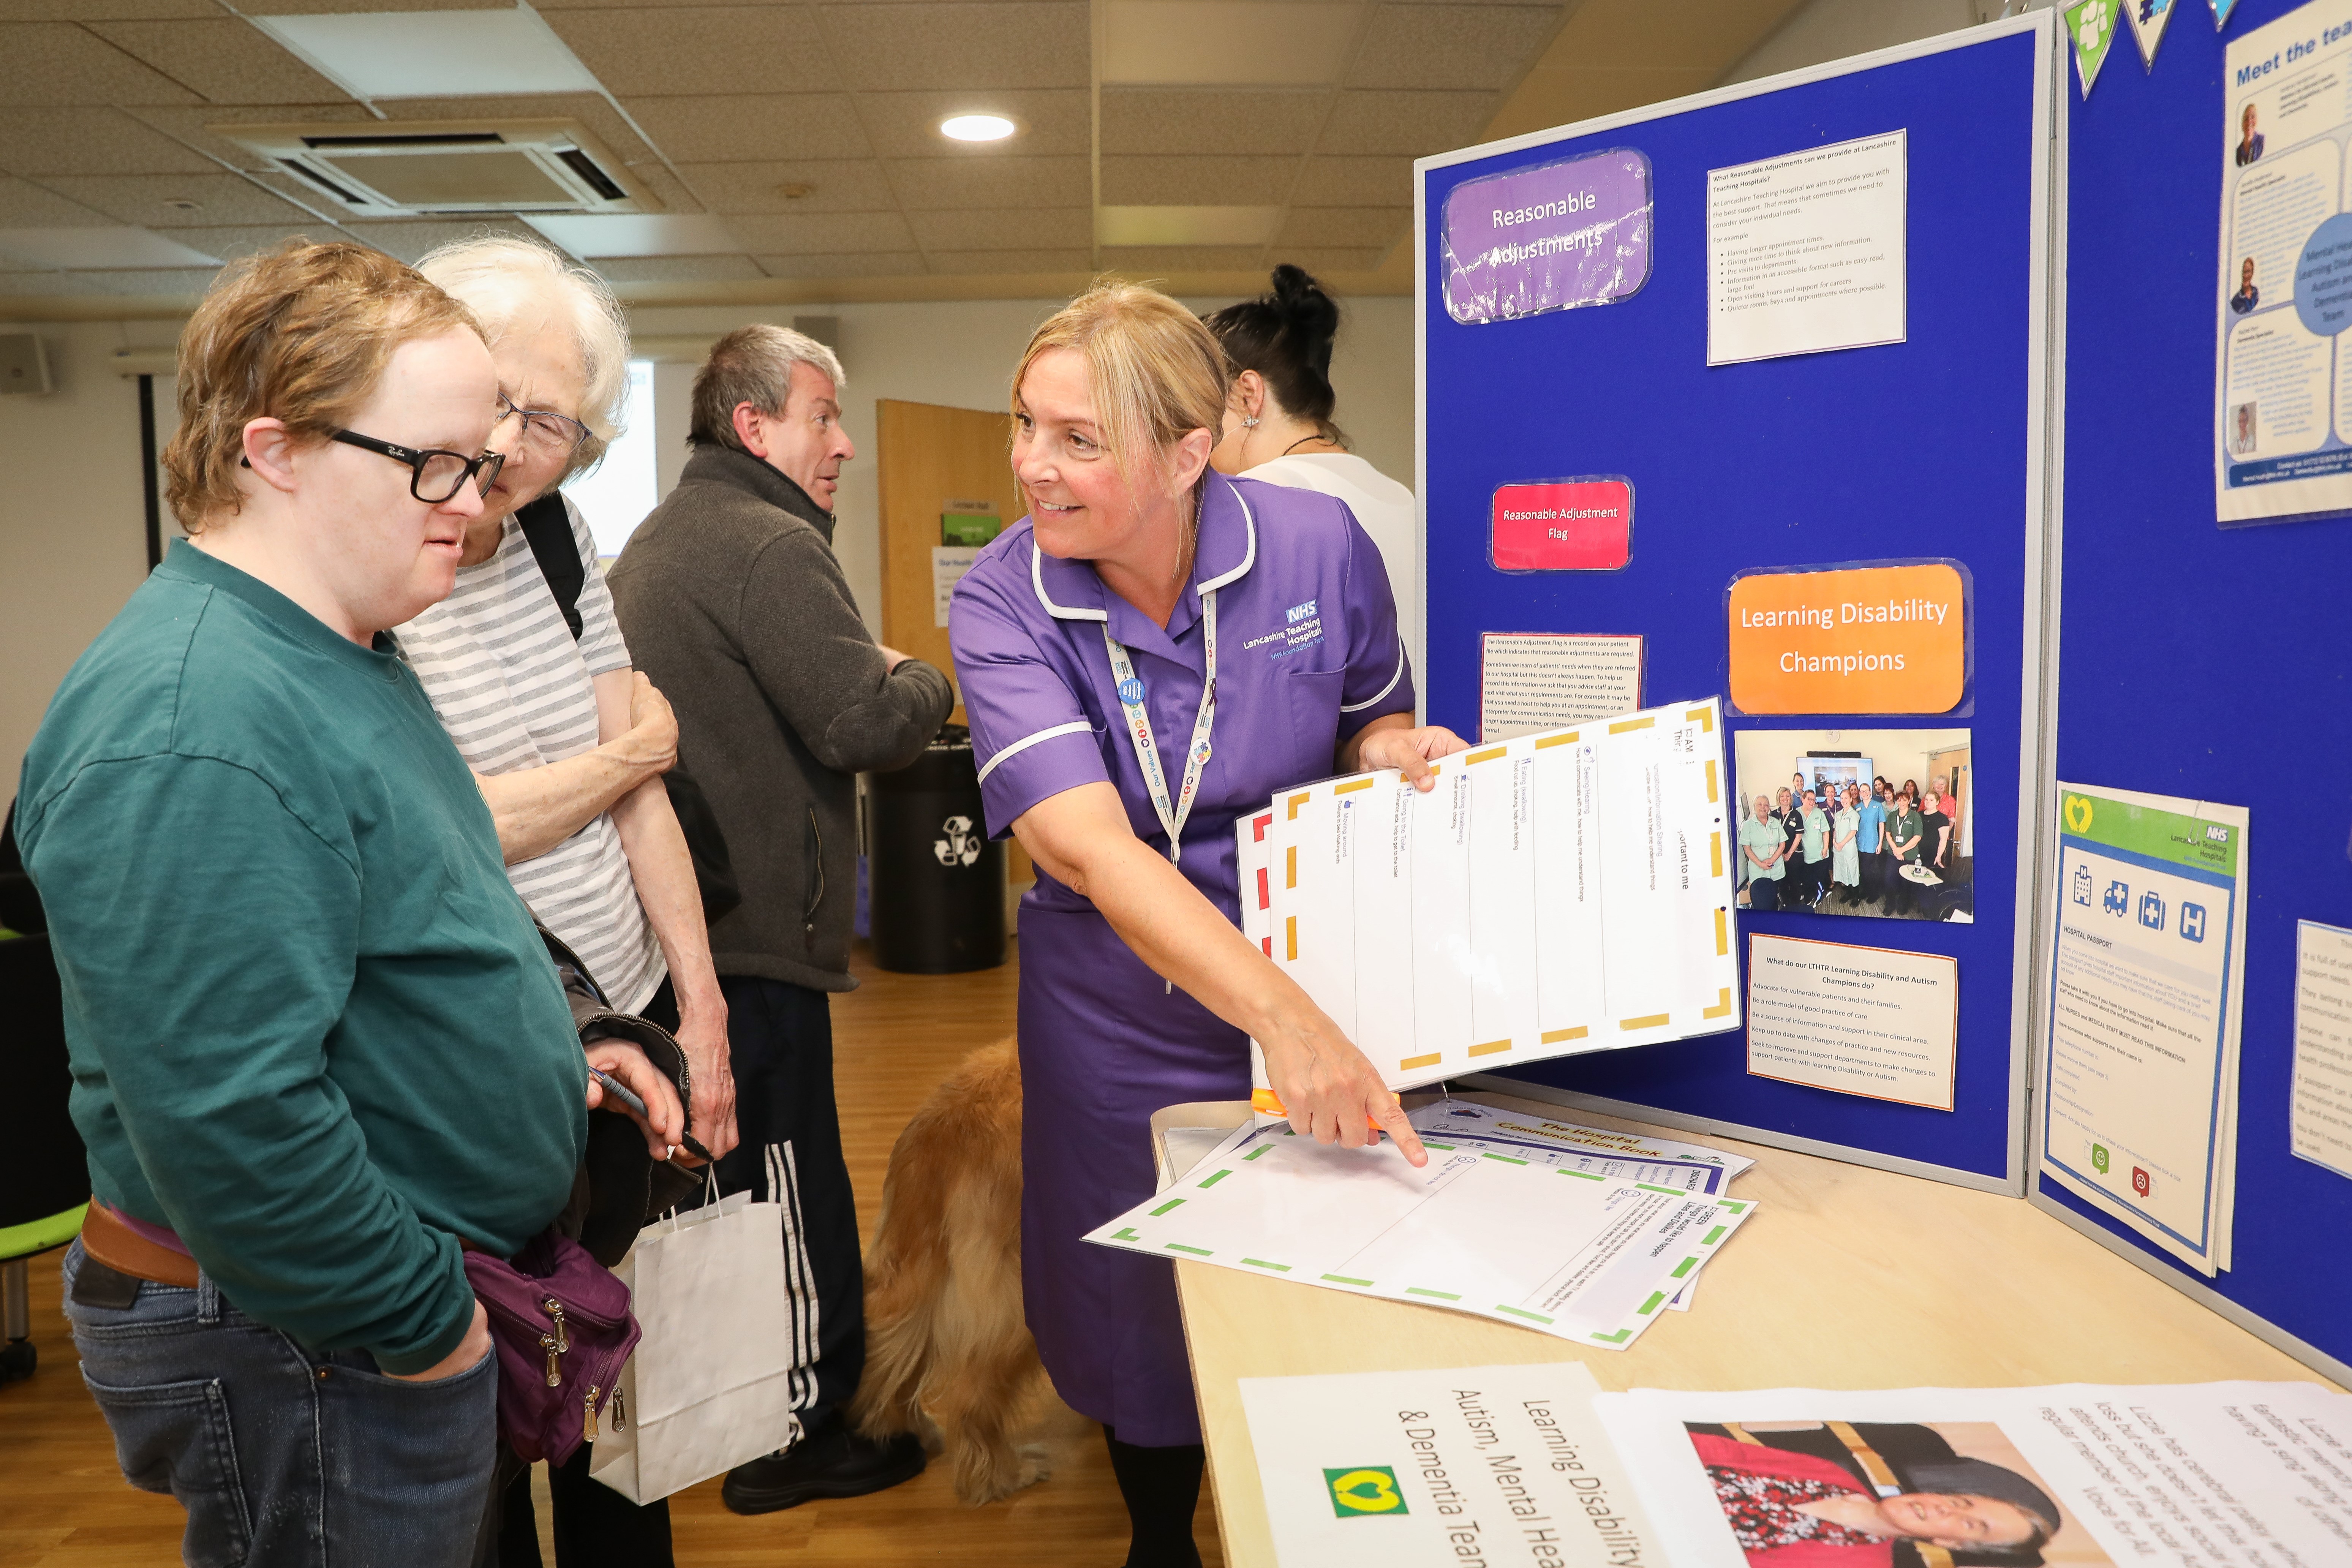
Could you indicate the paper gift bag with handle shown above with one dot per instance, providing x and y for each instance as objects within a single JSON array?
[{"x": 711, "y": 1384}]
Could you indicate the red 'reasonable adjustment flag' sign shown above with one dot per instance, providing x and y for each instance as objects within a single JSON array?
[{"x": 1563, "y": 525}]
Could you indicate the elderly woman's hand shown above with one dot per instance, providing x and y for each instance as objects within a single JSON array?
[
  {"x": 628, "y": 1065},
  {"x": 1392, "y": 742}
]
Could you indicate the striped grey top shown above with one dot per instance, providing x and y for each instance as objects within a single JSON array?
[{"x": 514, "y": 691}]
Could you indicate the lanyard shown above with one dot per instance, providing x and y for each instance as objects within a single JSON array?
[{"x": 1138, "y": 726}]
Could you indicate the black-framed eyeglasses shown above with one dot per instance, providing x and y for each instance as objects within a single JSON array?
[
  {"x": 545, "y": 433},
  {"x": 433, "y": 476}
]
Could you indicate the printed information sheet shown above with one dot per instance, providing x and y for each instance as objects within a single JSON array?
[
  {"x": 2321, "y": 1115},
  {"x": 1561, "y": 892},
  {"x": 1539, "y": 680},
  {"x": 1568, "y": 1253},
  {"x": 1807, "y": 252},
  {"x": 1874, "y": 1021},
  {"x": 1499, "y": 1465},
  {"x": 2283, "y": 380},
  {"x": 2215, "y": 1475},
  {"x": 2140, "y": 1114},
  {"x": 949, "y": 563}
]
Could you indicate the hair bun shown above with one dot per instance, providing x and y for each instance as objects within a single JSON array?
[{"x": 1308, "y": 313}]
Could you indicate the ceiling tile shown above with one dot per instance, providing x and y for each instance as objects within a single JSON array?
[
  {"x": 435, "y": 54},
  {"x": 109, "y": 248},
  {"x": 970, "y": 262},
  {"x": 678, "y": 268},
  {"x": 1174, "y": 120},
  {"x": 1324, "y": 262},
  {"x": 696, "y": 50},
  {"x": 142, "y": 199},
  {"x": 23, "y": 205},
  {"x": 89, "y": 141},
  {"x": 1355, "y": 183},
  {"x": 1227, "y": 41},
  {"x": 1197, "y": 181},
  {"x": 596, "y": 235},
  {"x": 834, "y": 185},
  {"x": 822, "y": 232},
  {"x": 886, "y": 47},
  {"x": 166, "y": 280},
  {"x": 101, "y": 10},
  {"x": 907, "y": 124},
  {"x": 925, "y": 184},
  {"x": 50, "y": 62},
  {"x": 1413, "y": 123},
  {"x": 338, "y": 7},
  {"x": 1134, "y": 259},
  {"x": 227, "y": 59},
  {"x": 409, "y": 239},
  {"x": 1044, "y": 228},
  {"x": 1344, "y": 225},
  {"x": 244, "y": 239},
  {"x": 1450, "y": 46},
  {"x": 882, "y": 263},
  {"x": 727, "y": 128},
  {"x": 191, "y": 125}
]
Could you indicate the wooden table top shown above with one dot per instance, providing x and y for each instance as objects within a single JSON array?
[{"x": 1844, "y": 1277}]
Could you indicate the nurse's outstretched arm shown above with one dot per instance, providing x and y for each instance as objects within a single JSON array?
[{"x": 1081, "y": 836}]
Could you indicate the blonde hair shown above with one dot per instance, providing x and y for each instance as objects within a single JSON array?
[
  {"x": 498, "y": 276},
  {"x": 1157, "y": 371},
  {"x": 299, "y": 333}
]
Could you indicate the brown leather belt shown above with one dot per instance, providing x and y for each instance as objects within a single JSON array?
[{"x": 106, "y": 1238}]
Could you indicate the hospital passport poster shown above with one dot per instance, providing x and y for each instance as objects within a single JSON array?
[
  {"x": 2283, "y": 300},
  {"x": 2148, "y": 940}
]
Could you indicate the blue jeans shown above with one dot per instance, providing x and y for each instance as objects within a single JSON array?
[{"x": 286, "y": 1456}]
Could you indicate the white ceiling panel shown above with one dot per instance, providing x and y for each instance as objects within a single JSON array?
[
  {"x": 1181, "y": 182},
  {"x": 1163, "y": 121},
  {"x": 907, "y": 124},
  {"x": 819, "y": 233},
  {"x": 338, "y": 7},
  {"x": 925, "y": 184},
  {"x": 876, "y": 264},
  {"x": 409, "y": 239},
  {"x": 1044, "y": 228},
  {"x": 23, "y": 205},
  {"x": 1185, "y": 226},
  {"x": 678, "y": 268},
  {"x": 749, "y": 128},
  {"x": 1133, "y": 260},
  {"x": 225, "y": 59},
  {"x": 83, "y": 249},
  {"x": 975, "y": 44},
  {"x": 1414, "y": 123},
  {"x": 826, "y": 185},
  {"x": 156, "y": 201},
  {"x": 1010, "y": 262},
  {"x": 1344, "y": 225},
  {"x": 1450, "y": 46},
  {"x": 698, "y": 50},
  {"x": 89, "y": 141},
  {"x": 1355, "y": 183},
  {"x": 433, "y": 54},
  {"x": 1225, "y": 42},
  {"x": 593, "y": 235},
  {"x": 102, "y": 10},
  {"x": 52, "y": 63},
  {"x": 244, "y": 239}
]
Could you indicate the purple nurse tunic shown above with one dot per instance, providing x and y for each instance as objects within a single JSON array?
[{"x": 1308, "y": 653}]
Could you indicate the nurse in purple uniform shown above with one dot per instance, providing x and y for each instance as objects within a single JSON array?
[{"x": 1156, "y": 649}]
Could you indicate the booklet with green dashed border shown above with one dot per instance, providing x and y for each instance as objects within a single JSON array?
[{"x": 1568, "y": 1253}]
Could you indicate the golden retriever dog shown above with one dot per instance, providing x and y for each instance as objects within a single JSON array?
[{"x": 947, "y": 1353}]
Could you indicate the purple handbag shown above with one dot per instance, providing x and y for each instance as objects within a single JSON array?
[{"x": 561, "y": 1325}]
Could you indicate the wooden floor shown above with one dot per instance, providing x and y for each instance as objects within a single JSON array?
[{"x": 63, "y": 1504}]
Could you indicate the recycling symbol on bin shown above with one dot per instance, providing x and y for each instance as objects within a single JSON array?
[{"x": 962, "y": 845}]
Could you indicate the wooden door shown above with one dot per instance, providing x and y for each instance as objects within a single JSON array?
[{"x": 934, "y": 461}]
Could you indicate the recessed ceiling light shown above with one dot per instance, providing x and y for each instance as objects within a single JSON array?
[{"x": 977, "y": 127}]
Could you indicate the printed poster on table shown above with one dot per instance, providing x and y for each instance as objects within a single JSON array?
[{"x": 2283, "y": 379}]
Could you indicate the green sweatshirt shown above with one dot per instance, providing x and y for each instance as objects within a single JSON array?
[{"x": 312, "y": 1029}]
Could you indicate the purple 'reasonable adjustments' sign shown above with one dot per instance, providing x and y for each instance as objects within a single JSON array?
[{"x": 1548, "y": 239}]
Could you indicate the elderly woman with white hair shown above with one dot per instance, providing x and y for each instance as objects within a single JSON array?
[{"x": 567, "y": 740}]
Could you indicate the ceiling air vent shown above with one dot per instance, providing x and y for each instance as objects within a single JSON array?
[{"x": 408, "y": 169}]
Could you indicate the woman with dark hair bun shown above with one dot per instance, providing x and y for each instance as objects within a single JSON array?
[{"x": 1278, "y": 425}]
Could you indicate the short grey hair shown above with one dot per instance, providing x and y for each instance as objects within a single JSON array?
[
  {"x": 753, "y": 364},
  {"x": 499, "y": 276}
]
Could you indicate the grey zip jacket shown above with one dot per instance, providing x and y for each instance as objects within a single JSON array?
[{"x": 734, "y": 604}]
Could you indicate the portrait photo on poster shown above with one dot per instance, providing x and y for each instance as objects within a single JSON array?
[
  {"x": 1876, "y": 823},
  {"x": 1853, "y": 636}
]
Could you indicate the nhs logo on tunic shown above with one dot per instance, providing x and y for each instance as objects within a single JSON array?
[{"x": 1297, "y": 613}]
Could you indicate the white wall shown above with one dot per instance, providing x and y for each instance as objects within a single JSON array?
[
  {"x": 73, "y": 531},
  {"x": 963, "y": 355},
  {"x": 1825, "y": 30}
]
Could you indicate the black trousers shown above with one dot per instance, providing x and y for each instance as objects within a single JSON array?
[{"x": 781, "y": 1040}]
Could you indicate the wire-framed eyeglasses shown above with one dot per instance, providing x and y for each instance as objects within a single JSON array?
[
  {"x": 433, "y": 476},
  {"x": 545, "y": 433}
]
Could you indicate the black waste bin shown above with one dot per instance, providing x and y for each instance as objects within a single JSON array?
[{"x": 935, "y": 880}]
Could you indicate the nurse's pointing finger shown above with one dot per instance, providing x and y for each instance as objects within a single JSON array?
[{"x": 1393, "y": 1122}]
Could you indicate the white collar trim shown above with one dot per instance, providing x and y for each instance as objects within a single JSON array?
[{"x": 1073, "y": 613}]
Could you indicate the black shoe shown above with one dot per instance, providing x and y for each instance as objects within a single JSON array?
[{"x": 835, "y": 1463}]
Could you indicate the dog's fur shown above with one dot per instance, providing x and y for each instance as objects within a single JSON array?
[{"x": 946, "y": 1342}]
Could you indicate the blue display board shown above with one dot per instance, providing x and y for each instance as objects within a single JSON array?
[
  {"x": 2190, "y": 655},
  {"x": 1931, "y": 447}
]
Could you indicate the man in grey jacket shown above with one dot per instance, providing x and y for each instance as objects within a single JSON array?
[{"x": 734, "y": 604}]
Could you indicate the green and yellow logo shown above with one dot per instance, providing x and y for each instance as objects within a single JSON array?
[
  {"x": 1364, "y": 1492},
  {"x": 2078, "y": 813}
]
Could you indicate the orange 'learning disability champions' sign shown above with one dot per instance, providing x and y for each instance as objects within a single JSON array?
[{"x": 1870, "y": 640}]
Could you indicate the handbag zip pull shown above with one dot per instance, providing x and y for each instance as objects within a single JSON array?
[
  {"x": 588, "y": 1426},
  {"x": 555, "y": 1308},
  {"x": 618, "y": 1413},
  {"x": 555, "y": 1373}
]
